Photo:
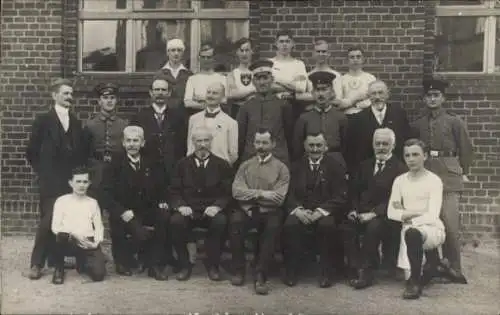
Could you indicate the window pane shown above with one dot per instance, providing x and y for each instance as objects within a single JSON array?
[
  {"x": 103, "y": 45},
  {"x": 151, "y": 37},
  {"x": 162, "y": 4},
  {"x": 103, "y": 5},
  {"x": 461, "y": 2},
  {"x": 459, "y": 44},
  {"x": 224, "y": 4},
  {"x": 222, "y": 34}
]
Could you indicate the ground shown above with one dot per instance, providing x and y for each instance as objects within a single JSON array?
[{"x": 142, "y": 295}]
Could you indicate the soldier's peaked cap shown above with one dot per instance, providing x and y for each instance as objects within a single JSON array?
[
  {"x": 321, "y": 77},
  {"x": 106, "y": 89},
  {"x": 262, "y": 65},
  {"x": 435, "y": 84}
]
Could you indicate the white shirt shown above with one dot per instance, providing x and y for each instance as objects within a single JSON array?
[
  {"x": 225, "y": 134},
  {"x": 292, "y": 71},
  {"x": 197, "y": 85},
  {"x": 78, "y": 215},
  {"x": 133, "y": 160},
  {"x": 175, "y": 72},
  {"x": 63, "y": 115},
  {"x": 198, "y": 162},
  {"x": 354, "y": 87},
  {"x": 379, "y": 114},
  {"x": 241, "y": 78},
  {"x": 382, "y": 162}
]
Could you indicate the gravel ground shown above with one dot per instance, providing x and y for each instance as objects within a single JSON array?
[{"x": 142, "y": 295}]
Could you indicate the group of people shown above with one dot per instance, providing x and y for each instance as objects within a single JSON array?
[{"x": 268, "y": 147}]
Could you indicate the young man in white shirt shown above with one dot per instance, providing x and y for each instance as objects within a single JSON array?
[
  {"x": 353, "y": 94},
  {"x": 79, "y": 231},
  {"x": 224, "y": 129},
  {"x": 196, "y": 87},
  {"x": 416, "y": 200}
]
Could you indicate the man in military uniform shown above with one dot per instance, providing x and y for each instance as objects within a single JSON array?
[
  {"x": 105, "y": 130},
  {"x": 450, "y": 157}
]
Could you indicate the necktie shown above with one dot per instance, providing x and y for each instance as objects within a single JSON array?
[
  {"x": 136, "y": 165},
  {"x": 380, "y": 166},
  {"x": 159, "y": 119},
  {"x": 211, "y": 115},
  {"x": 380, "y": 117}
]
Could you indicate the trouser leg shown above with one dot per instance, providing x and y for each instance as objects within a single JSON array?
[
  {"x": 270, "y": 226},
  {"x": 374, "y": 230},
  {"x": 179, "y": 228},
  {"x": 44, "y": 239},
  {"x": 238, "y": 221},
  {"x": 123, "y": 243},
  {"x": 95, "y": 263},
  {"x": 293, "y": 241},
  {"x": 216, "y": 231},
  {"x": 351, "y": 234},
  {"x": 390, "y": 243},
  {"x": 451, "y": 219}
]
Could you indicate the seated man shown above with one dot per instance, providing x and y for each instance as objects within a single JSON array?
[
  {"x": 317, "y": 199},
  {"x": 78, "y": 228},
  {"x": 199, "y": 193},
  {"x": 260, "y": 187},
  {"x": 370, "y": 190},
  {"x": 137, "y": 217},
  {"x": 416, "y": 201}
]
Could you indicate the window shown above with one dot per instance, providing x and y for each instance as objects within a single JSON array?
[
  {"x": 131, "y": 35},
  {"x": 466, "y": 36}
]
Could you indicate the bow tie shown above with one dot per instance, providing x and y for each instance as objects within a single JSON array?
[{"x": 211, "y": 115}]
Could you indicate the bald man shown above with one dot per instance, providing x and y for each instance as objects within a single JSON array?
[
  {"x": 380, "y": 114},
  {"x": 199, "y": 194},
  {"x": 132, "y": 193},
  {"x": 223, "y": 128}
]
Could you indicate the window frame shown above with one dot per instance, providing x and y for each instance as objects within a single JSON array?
[
  {"x": 490, "y": 10},
  {"x": 193, "y": 15}
]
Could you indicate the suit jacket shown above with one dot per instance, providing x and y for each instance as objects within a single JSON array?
[
  {"x": 364, "y": 125},
  {"x": 124, "y": 188},
  {"x": 53, "y": 153},
  {"x": 329, "y": 191},
  {"x": 166, "y": 145},
  {"x": 200, "y": 189},
  {"x": 372, "y": 192}
]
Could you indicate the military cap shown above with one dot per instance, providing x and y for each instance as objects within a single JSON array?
[
  {"x": 321, "y": 77},
  {"x": 435, "y": 84},
  {"x": 262, "y": 65},
  {"x": 106, "y": 89}
]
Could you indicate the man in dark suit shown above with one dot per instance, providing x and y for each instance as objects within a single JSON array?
[
  {"x": 133, "y": 196},
  {"x": 57, "y": 145},
  {"x": 317, "y": 200},
  {"x": 378, "y": 115},
  {"x": 199, "y": 194},
  {"x": 369, "y": 194}
]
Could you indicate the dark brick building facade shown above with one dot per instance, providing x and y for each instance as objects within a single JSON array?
[{"x": 39, "y": 42}]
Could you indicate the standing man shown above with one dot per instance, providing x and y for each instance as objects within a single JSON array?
[
  {"x": 451, "y": 155},
  {"x": 223, "y": 128},
  {"x": 317, "y": 201},
  {"x": 378, "y": 115},
  {"x": 57, "y": 144},
  {"x": 199, "y": 195},
  {"x": 264, "y": 110},
  {"x": 260, "y": 187},
  {"x": 369, "y": 195},
  {"x": 195, "y": 96},
  {"x": 177, "y": 73},
  {"x": 323, "y": 118},
  {"x": 106, "y": 130}
]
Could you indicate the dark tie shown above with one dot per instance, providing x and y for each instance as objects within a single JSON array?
[
  {"x": 211, "y": 115},
  {"x": 136, "y": 165},
  {"x": 159, "y": 119},
  {"x": 380, "y": 166}
]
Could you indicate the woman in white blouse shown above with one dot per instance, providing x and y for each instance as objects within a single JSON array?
[{"x": 415, "y": 201}]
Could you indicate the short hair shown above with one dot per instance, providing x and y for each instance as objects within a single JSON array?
[
  {"x": 58, "y": 82},
  {"x": 378, "y": 81},
  {"x": 387, "y": 131},
  {"x": 284, "y": 32},
  {"x": 417, "y": 142},
  {"x": 207, "y": 47},
  {"x": 162, "y": 77},
  {"x": 133, "y": 129},
  {"x": 314, "y": 134},
  {"x": 196, "y": 131},
  {"x": 320, "y": 41},
  {"x": 79, "y": 170},
  {"x": 242, "y": 41},
  {"x": 176, "y": 43},
  {"x": 263, "y": 130},
  {"x": 219, "y": 84},
  {"x": 356, "y": 48}
]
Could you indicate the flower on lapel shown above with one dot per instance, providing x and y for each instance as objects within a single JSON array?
[{"x": 219, "y": 127}]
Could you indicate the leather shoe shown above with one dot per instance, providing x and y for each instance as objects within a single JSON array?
[
  {"x": 214, "y": 274},
  {"x": 184, "y": 274},
  {"x": 325, "y": 282},
  {"x": 58, "y": 277},
  {"x": 456, "y": 276},
  {"x": 35, "y": 273},
  {"x": 238, "y": 279},
  {"x": 122, "y": 270},
  {"x": 412, "y": 290},
  {"x": 290, "y": 278},
  {"x": 364, "y": 280},
  {"x": 158, "y": 273},
  {"x": 261, "y": 287}
]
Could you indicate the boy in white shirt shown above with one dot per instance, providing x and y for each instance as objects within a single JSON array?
[{"x": 78, "y": 228}]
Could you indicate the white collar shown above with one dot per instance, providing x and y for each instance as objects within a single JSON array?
[
  {"x": 387, "y": 158},
  {"x": 264, "y": 160},
  {"x": 169, "y": 67},
  {"x": 318, "y": 162},
  {"x": 213, "y": 111},
  {"x": 134, "y": 160},
  {"x": 376, "y": 112},
  {"x": 61, "y": 110},
  {"x": 158, "y": 109}
]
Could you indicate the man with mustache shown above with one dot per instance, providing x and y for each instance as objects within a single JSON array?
[
  {"x": 260, "y": 187},
  {"x": 369, "y": 191},
  {"x": 106, "y": 130},
  {"x": 199, "y": 194},
  {"x": 451, "y": 154},
  {"x": 316, "y": 202},
  {"x": 323, "y": 118},
  {"x": 57, "y": 145},
  {"x": 223, "y": 128}
]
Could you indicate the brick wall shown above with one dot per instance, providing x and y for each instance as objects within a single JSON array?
[{"x": 397, "y": 36}]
